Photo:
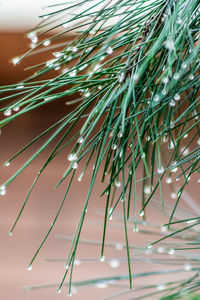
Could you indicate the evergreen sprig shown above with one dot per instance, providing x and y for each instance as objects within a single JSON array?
[{"x": 134, "y": 68}]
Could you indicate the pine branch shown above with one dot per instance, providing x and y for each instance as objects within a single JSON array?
[{"x": 134, "y": 68}]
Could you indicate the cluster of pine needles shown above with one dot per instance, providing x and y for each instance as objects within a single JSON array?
[{"x": 133, "y": 68}]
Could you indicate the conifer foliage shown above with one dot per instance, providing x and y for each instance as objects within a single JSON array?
[{"x": 133, "y": 67}]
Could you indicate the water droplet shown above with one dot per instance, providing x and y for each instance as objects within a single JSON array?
[
  {"x": 57, "y": 67},
  {"x": 187, "y": 267},
  {"x": 114, "y": 263},
  {"x": 32, "y": 45},
  {"x": 7, "y": 112},
  {"x": 59, "y": 291},
  {"x": 10, "y": 233},
  {"x": 29, "y": 268},
  {"x": 16, "y": 108},
  {"x": 179, "y": 21},
  {"x": 15, "y": 60},
  {"x": 68, "y": 58},
  {"x": 169, "y": 44},
  {"x": 77, "y": 262},
  {"x": 148, "y": 251},
  {"x": 195, "y": 114},
  {"x": 48, "y": 98},
  {"x": 141, "y": 213},
  {"x": 148, "y": 138},
  {"x": 109, "y": 50},
  {"x": 191, "y": 77},
  {"x": 165, "y": 139},
  {"x": 74, "y": 49},
  {"x": 149, "y": 246},
  {"x": 97, "y": 67},
  {"x": 119, "y": 246},
  {"x": 191, "y": 221},
  {"x": 57, "y": 54},
  {"x": 198, "y": 142},
  {"x": 111, "y": 134},
  {"x": 176, "y": 76},
  {"x": 163, "y": 228},
  {"x": 147, "y": 189},
  {"x": 117, "y": 183},
  {"x": 121, "y": 77},
  {"x": 47, "y": 43},
  {"x": 31, "y": 34},
  {"x": 120, "y": 154},
  {"x": 171, "y": 145},
  {"x": 160, "y": 170},
  {"x": 67, "y": 267},
  {"x": 2, "y": 192},
  {"x": 65, "y": 25},
  {"x": 161, "y": 250},
  {"x": 74, "y": 290},
  {"x": 20, "y": 86},
  {"x": 101, "y": 285},
  {"x": 173, "y": 195},
  {"x": 87, "y": 94},
  {"x": 50, "y": 62},
  {"x": 172, "y": 103},
  {"x": 99, "y": 87},
  {"x": 171, "y": 251},
  {"x": 110, "y": 217},
  {"x": 80, "y": 140},
  {"x": 88, "y": 49},
  {"x": 72, "y": 73},
  {"x": 168, "y": 180},
  {"x": 102, "y": 258},
  {"x": 65, "y": 70},
  {"x": 177, "y": 97},
  {"x": 120, "y": 134},
  {"x": 198, "y": 180},
  {"x": 185, "y": 151},
  {"x": 74, "y": 165},
  {"x": 165, "y": 80},
  {"x": 135, "y": 76},
  {"x": 188, "y": 177},
  {"x": 69, "y": 295},
  {"x": 72, "y": 156},
  {"x": 45, "y": 17},
  {"x": 80, "y": 176},
  {"x": 135, "y": 229},
  {"x": 34, "y": 39},
  {"x": 156, "y": 98},
  {"x": 7, "y": 164},
  {"x": 2, "y": 187},
  {"x": 102, "y": 57},
  {"x": 174, "y": 167},
  {"x": 184, "y": 65},
  {"x": 114, "y": 147},
  {"x": 83, "y": 67},
  {"x": 161, "y": 287}
]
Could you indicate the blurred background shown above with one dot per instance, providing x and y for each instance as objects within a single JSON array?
[{"x": 16, "y": 18}]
